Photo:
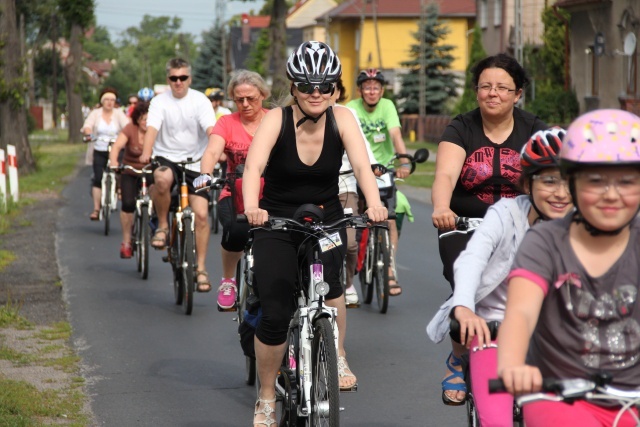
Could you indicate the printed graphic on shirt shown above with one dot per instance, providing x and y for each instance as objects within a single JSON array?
[
  {"x": 607, "y": 326},
  {"x": 236, "y": 154},
  {"x": 480, "y": 167},
  {"x": 372, "y": 126}
]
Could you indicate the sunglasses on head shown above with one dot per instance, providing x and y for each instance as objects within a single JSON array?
[
  {"x": 176, "y": 78},
  {"x": 309, "y": 88}
]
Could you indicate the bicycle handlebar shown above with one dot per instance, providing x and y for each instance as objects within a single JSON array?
[
  {"x": 463, "y": 225},
  {"x": 281, "y": 223},
  {"x": 145, "y": 169}
]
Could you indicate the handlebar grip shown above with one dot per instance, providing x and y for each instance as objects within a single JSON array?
[
  {"x": 241, "y": 218},
  {"x": 497, "y": 386}
]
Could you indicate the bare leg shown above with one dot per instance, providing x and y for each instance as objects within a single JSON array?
[
  {"x": 126, "y": 219},
  {"x": 160, "y": 193},
  {"x": 393, "y": 234},
  {"x": 268, "y": 359},
  {"x": 229, "y": 263},
  {"x": 341, "y": 320},
  {"x": 458, "y": 351},
  {"x": 96, "y": 193}
]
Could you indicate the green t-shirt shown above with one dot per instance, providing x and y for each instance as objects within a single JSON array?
[{"x": 376, "y": 127}]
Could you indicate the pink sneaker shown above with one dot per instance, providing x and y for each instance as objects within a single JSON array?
[{"x": 227, "y": 293}]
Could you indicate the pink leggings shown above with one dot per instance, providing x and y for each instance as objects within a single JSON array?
[
  {"x": 580, "y": 413},
  {"x": 493, "y": 409}
]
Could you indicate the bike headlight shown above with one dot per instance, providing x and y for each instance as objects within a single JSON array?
[{"x": 322, "y": 288}]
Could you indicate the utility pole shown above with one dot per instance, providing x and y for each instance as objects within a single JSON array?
[
  {"x": 422, "y": 75},
  {"x": 359, "y": 38},
  {"x": 518, "y": 31},
  {"x": 374, "y": 7},
  {"x": 54, "y": 56},
  {"x": 221, "y": 7}
]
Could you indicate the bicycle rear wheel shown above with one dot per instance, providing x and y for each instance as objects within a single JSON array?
[
  {"x": 188, "y": 262},
  {"x": 241, "y": 306},
  {"x": 366, "y": 272},
  {"x": 143, "y": 242},
  {"x": 325, "y": 392},
  {"x": 106, "y": 206},
  {"x": 381, "y": 269}
]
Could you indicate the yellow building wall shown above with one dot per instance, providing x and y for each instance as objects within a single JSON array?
[{"x": 395, "y": 37}]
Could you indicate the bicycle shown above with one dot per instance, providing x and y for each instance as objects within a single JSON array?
[
  {"x": 181, "y": 251},
  {"x": 141, "y": 220},
  {"x": 245, "y": 297},
  {"x": 379, "y": 256},
  {"x": 108, "y": 200},
  {"x": 218, "y": 173},
  {"x": 572, "y": 389},
  {"x": 307, "y": 388}
]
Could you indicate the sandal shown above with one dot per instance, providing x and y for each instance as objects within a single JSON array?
[
  {"x": 203, "y": 285},
  {"x": 95, "y": 215},
  {"x": 267, "y": 410},
  {"x": 395, "y": 286},
  {"x": 157, "y": 239},
  {"x": 344, "y": 372},
  {"x": 453, "y": 362}
]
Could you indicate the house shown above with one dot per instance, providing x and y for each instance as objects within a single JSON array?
[
  {"x": 604, "y": 54},
  {"x": 388, "y": 28},
  {"x": 500, "y": 29},
  {"x": 303, "y": 15}
]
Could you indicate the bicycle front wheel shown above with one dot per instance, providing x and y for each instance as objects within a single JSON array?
[
  {"x": 188, "y": 262},
  {"x": 366, "y": 272},
  {"x": 382, "y": 265},
  {"x": 106, "y": 206},
  {"x": 325, "y": 391},
  {"x": 174, "y": 259},
  {"x": 143, "y": 243}
]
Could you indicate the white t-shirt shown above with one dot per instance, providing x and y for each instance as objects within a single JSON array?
[
  {"x": 347, "y": 182},
  {"x": 181, "y": 124}
]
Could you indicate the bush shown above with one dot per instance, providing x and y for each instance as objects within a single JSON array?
[{"x": 554, "y": 105}]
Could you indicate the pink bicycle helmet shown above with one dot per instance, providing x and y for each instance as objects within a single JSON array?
[
  {"x": 542, "y": 150},
  {"x": 601, "y": 138}
]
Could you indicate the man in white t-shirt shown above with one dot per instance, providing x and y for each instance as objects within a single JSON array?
[{"x": 179, "y": 127}]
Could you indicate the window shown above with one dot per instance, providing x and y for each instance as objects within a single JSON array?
[
  {"x": 483, "y": 13},
  {"x": 497, "y": 13}
]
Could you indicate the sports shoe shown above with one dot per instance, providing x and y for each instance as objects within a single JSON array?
[
  {"x": 125, "y": 250},
  {"x": 351, "y": 297},
  {"x": 227, "y": 293}
]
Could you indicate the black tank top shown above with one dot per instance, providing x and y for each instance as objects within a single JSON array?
[{"x": 289, "y": 183}]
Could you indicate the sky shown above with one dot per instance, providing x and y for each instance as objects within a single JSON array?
[{"x": 197, "y": 15}]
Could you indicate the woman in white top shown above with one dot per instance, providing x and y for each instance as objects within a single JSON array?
[{"x": 102, "y": 125}]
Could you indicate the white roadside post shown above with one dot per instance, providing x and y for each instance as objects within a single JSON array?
[
  {"x": 3, "y": 183},
  {"x": 12, "y": 162}
]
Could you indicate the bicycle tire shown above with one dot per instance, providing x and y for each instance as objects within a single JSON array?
[
  {"x": 472, "y": 412},
  {"x": 144, "y": 245},
  {"x": 106, "y": 206},
  {"x": 188, "y": 262},
  {"x": 213, "y": 212},
  {"x": 174, "y": 259},
  {"x": 366, "y": 272},
  {"x": 325, "y": 391},
  {"x": 135, "y": 239},
  {"x": 287, "y": 399},
  {"x": 382, "y": 265},
  {"x": 241, "y": 306}
]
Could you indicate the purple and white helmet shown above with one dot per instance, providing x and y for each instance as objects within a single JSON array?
[
  {"x": 315, "y": 63},
  {"x": 602, "y": 138}
]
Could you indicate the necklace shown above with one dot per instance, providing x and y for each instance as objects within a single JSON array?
[{"x": 255, "y": 128}]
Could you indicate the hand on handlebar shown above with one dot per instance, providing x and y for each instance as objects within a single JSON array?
[
  {"x": 403, "y": 171},
  {"x": 377, "y": 213},
  {"x": 471, "y": 325},
  {"x": 523, "y": 379},
  {"x": 202, "y": 181},
  {"x": 444, "y": 219},
  {"x": 256, "y": 216}
]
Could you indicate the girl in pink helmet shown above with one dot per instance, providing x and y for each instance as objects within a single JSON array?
[{"x": 572, "y": 307}]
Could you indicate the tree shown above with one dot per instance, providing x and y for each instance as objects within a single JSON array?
[
  {"x": 257, "y": 60},
  {"x": 440, "y": 82},
  {"x": 99, "y": 45},
  {"x": 208, "y": 66},
  {"x": 78, "y": 16},
  {"x": 468, "y": 100},
  {"x": 13, "y": 89}
]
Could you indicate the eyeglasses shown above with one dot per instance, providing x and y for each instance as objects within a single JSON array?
[
  {"x": 550, "y": 183},
  {"x": 249, "y": 99},
  {"x": 176, "y": 78},
  {"x": 594, "y": 183},
  {"x": 500, "y": 90},
  {"x": 309, "y": 88},
  {"x": 374, "y": 89}
]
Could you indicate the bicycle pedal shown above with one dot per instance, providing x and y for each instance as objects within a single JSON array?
[{"x": 353, "y": 389}]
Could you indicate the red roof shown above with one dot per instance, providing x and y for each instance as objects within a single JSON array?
[
  {"x": 569, "y": 3},
  {"x": 255, "y": 21},
  {"x": 403, "y": 8}
]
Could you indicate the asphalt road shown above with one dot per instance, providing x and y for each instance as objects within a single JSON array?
[{"x": 148, "y": 364}]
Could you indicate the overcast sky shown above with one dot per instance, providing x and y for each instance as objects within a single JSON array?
[{"x": 197, "y": 15}]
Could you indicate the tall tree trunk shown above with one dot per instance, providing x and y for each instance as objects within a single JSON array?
[
  {"x": 72, "y": 70},
  {"x": 13, "y": 115},
  {"x": 278, "y": 50}
]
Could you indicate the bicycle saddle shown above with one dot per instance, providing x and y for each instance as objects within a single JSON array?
[{"x": 309, "y": 213}]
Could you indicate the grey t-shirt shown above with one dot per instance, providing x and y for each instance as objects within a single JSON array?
[{"x": 586, "y": 324}]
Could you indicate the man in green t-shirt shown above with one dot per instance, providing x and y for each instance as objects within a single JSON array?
[{"x": 381, "y": 125}]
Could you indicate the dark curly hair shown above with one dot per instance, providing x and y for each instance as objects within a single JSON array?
[
  {"x": 140, "y": 109},
  {"x": 507, "y": 63}
]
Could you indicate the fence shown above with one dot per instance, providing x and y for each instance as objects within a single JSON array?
[{"x": 431, "y": 130}]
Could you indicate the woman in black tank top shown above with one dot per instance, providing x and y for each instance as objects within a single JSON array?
[{"x": 303, "y": 146}]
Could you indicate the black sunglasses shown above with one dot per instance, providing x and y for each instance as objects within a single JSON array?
[
  {"x": 176, "y": 78},
  {"x": 309, "y": 88}
]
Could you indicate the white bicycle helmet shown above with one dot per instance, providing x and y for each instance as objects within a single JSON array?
[
  {"x": 145, "y": 94},
  {"x": 315, "y": 63}
]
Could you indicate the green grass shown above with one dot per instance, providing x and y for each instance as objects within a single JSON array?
[
  {"x": 9, "y": 317},
  {"x": 6, "y": 258}
]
